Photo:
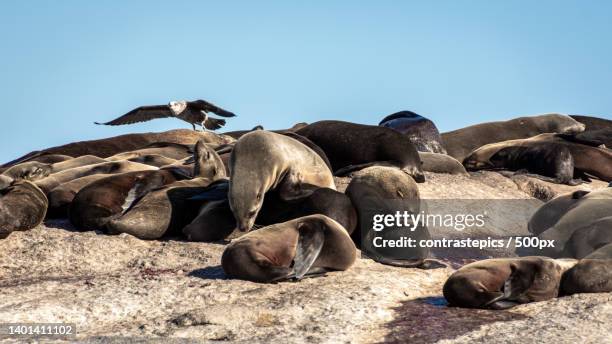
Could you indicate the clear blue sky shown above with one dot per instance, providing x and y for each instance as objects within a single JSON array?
[{"x": 65, "y": 64}]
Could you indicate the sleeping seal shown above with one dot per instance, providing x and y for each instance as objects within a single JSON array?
[
  {"x": 22, "y": 207},
  {"x": 294, "y": 249},
  {"x": 582, "y": 212},
  {"x": 593, "y": 274},
  {"x": 262, "y": 161},
  {"x": 351, "y": 147},
  {"x": 505, "y": 282},
  {"x": 387, "y": 190}
]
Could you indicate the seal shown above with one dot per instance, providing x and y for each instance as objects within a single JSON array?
[
  {"x": 291, "y": 168},
  {"x": 503, "y": 283},
  {"x": 351, "y": 147},
  {"x": 215, "y": 220},
  {"x": 167, "y": 210},
  {"x": 550, "y": 212},
  {"x": 589, "y": 207},
  {"x": 441, "y": 163},
  {"x": 588, "y": 239},
  {"x": 31, "y": 170},
  {"x": 22, "y": 207},
  {"x": 588, "y": 160},
  {"x": 102, "y": 200},
  {"x": 380, "y": 190},
  {"x": 306, "y": 246},
  {"x": 104, "y": 148},
  {"x": 113, "y": 167},
  {"x": 459, "y": 143},
  {"x": 62, "y": 195},
  {"x": 593, "y": 274},
  {"x": 549, "y": 161},
  {"x": 83, "y": 160},
  {"x": 421, "y": 131}
]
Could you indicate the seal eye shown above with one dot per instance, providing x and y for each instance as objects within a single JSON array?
[
  {"x": 259, "y": 197},
  {"x": 252, "y": 213}
]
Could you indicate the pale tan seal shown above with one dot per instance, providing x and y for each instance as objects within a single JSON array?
[{"x": 262, "y": 161}]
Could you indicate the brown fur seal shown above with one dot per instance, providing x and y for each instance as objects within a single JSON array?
[
  {"x": 262, "y": 161},
  {"x": 31, "y": 170},
  {"x": 351, "y": 147},
  {"x": 588, "y": 160},
  {"x": 35, "y": 170},
  {"x": 113, "y": 167},
  {"x": 589, "y": 208},
  {"x": 215, "y": 220},
  {"x": 505, "y": 282},
  {"x": 441, "y": 163},
  {"x": 420, "y": 130},
  {"x": 550, "y": 212},
  {"x": 593, "y": 274},
  {"x": 22, "y": 207},
  {"x": 62, "y": 195},
  {"x": 459, "y": 143},
  {"x": 124, "y": 143},
  {"x": 550, "y": 161},
  {"x": 305, "y": 246},
  {"x": 387, "y": 190},
  {"x": 97, "y": 203},
  {"x": 167, "y": 210}
]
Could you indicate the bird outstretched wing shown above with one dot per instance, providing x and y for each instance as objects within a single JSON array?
[
  {"x": 214, "y": 123},
  {"x": 142, "y": 114},
  {"x": 209, "y": 107}
]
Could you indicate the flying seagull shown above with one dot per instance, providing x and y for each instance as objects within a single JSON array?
[{"x": 191, "y": 112}]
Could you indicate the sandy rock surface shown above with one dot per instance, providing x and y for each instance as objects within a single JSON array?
[{"x": 120, "y": 286}]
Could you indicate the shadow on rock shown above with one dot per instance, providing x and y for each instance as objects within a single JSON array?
[
  {"x": 209, "y": 273},
  {"x": 429, "y": 320}
]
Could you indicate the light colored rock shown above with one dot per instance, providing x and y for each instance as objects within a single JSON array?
[{"x": 120, "y": 286}]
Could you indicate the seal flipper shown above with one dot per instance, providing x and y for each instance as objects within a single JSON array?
[
  {"x": 310, "y": 243},
  {"x": 514, "y": 287}
]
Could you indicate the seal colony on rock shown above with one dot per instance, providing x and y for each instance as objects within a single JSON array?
[
  {"x": 309, "y": 245},
  {"x": 262, "y": 161},
  {"x": 191, "y": 112},
  {"x": 351, "y": 147}
]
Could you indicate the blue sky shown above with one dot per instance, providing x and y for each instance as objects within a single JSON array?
[{"x": 65, "y": 64}]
